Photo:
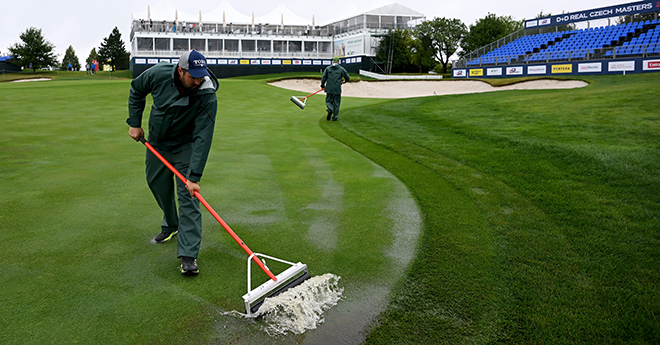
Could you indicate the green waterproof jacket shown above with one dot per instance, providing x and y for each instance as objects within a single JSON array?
[
  {"x": 175, "y": 118},
  {"x": 331, "y": 79}
]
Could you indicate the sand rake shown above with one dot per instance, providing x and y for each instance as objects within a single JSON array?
[
  {"x": 289, "y": 278},
  {"x": 302, "y": 101}
]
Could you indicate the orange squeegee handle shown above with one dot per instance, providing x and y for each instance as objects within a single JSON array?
[
  {"x": 210, "y": 209},
  {"x": 310, "y": 95}
]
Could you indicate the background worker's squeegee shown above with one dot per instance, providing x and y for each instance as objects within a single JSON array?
[
  {"x": 292, "y": 276},
  {"x": 302, "y": 101}
]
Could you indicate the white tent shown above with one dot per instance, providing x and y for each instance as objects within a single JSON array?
[
  {"x": 230, "y": 14},
  {"x": 290, "y": 18},
  {"x": 164, "y": 10}
]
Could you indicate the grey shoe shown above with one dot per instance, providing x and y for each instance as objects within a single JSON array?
[
  {"x": 164, "y": 236},
  {"x": 189, "y": 266}
]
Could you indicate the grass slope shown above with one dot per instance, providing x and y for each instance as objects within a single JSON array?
[{"x": 541, "y": 213}]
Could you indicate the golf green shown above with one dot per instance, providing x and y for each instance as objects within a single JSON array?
[{"x": 76, "y": 219}]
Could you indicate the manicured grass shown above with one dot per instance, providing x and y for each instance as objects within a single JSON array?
[
  {"x": 541, "y": 213},
  {"x": 76, "y": 216}
]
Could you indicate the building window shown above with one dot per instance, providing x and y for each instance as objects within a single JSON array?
[
  {"x": 163, "y": 44},
  {"x": 181, "y": 44},
  {"x": 279, "y": 46},
  {"x": 231, "y": 45},
  {"x": 295, "y": 46},
  {"x": 248, "y": 45},
  {"x": 145, "y": 43},
  {"x": 263, "y": 46},
  {"x": 215, "y": 45},
  {"x": 198, "y": 44}
]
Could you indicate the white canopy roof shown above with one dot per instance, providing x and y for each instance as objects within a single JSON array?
[
  {"x": 164, "y": 10},
  {"x": 290, "y": 18},
  {"x": 231, "y": 15},
  {"x": 395, "y": 9}
]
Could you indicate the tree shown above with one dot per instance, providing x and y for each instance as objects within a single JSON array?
[
  {"x": 421, "y": 52},
  {"x": 92, "y": 56},
  {"x": 35, "y": 50},
  {"x": 444, "y": 36},
  {"x": 70, "y": 58},
  {"x": 394, "y": 52},
  {"x": 488, "y": 30},
  {"x": 113, "y": 52}
]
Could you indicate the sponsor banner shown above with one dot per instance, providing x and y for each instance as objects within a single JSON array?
[
  {"x": 223, "y": 62},
  {"x": 590, "y": 67},
  {"x": 327, "y": 62},
  {"x": 514, "y": 70},
  {"x": 566, "y": 68},
  {"x": 164, "y": 60},
  {"x": 140, "y": 61},
  {"x": 353, "y": 60},
  {"x": 459, "y": 73},
  {"x": 494, "y": 71},
  {"x": 286, "y": 62},
  {"x": 265, "y": 62},
  {"x": 152, "y": 61},
  {"x": 476, "y": 72},
  {"x": 233, "y": 61},
  {"x": 359, "y": 59},
  {"x": 255, "y": 62},
  {"x": 317, "y": 63},
  {"x": 307, "y": 62},
  {"x": 297, "y": 62},
  {"x": 211, "y": 61},
  {"x": 537, "y": 69},
  {"x": 349, "y": 47},
  {"x": 175, "y": 60},
  {"x": 598, "y": 13},
  {"x": 245, "y": 62},
  {"x": 277, "y": 62},
  {"x": 651, "y": 65},
  {"x": 620, "y": 66}
]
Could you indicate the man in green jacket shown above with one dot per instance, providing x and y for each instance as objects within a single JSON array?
[
  {"x": 181, "y": 127},
  {"x": 332, "y": 78}
]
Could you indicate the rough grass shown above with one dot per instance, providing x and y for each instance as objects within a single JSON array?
[{"x": 541, "y": 212}]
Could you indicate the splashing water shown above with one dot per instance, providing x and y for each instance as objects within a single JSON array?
[{"x": 301, "y": 308}]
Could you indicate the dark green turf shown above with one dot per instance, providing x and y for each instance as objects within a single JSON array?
[{"x": 542, "y": 213}]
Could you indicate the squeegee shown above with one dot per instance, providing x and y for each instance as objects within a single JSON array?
[
  {"x": 292, "y": 276},
  {"x": 302, "y": 101}
]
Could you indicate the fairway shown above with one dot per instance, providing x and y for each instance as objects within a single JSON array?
[
  {"x": 76, "y": 219},
  {"x": 520, "y": 216}
]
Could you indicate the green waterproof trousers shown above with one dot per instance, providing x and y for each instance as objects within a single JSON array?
[
  {"x": 332, "y": 102},
  {"x": 160, "y": 179}
]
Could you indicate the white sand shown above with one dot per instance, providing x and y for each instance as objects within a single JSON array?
[
  {"x": 406, "y": 89},
  {"x": 24, "y": 80}
]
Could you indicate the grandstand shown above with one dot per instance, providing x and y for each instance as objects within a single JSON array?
[
  {"x": 236, "y": 44},
  {"x": 633, "y": 47}
]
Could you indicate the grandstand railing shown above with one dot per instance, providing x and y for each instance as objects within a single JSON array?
[
  {"x": 641, "y": 50},
  {"x": 235, "y": 54}
]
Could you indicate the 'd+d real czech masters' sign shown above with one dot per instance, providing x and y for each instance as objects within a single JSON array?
[{"x": 598, "y": 13}]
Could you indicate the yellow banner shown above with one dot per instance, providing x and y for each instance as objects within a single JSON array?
[
  {"x": 477, "y": 72},
  {"x": 286, "y": 62},
  {"x": 562, "y": 68},
  {"x": 245, "y": 62}
]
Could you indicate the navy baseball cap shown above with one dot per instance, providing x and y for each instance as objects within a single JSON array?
[{"x": 195, "y": 63}]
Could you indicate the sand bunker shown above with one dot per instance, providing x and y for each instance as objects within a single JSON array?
[
  {"x": 407, "y": 89},
  {"x": 26, "y": 80}
]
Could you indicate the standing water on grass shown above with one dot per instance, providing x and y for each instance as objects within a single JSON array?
[{"x": 301, "y": 308}]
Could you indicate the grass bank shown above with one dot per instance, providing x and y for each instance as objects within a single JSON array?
[{"x": 541, "y": 213}]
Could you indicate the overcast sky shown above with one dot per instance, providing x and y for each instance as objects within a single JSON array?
[{"x": 84, "y": 24}]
